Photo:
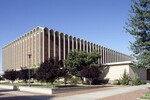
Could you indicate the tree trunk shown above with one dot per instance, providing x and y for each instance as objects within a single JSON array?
[
  {"x": 90, "y": 81},
  {"x": 82, "y": 79}
]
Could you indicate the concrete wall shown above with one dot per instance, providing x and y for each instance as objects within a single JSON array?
[
  {"x": 114, "y": 72},
  {"x": 141, "y": 72}
]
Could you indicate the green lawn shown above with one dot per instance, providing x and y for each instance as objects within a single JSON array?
[
  {"x": 43, "y": 85},
  {"x": 146, "y": 96}
]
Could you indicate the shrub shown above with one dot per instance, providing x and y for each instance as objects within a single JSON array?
[
  {"x": 116, "y": 82},
  {"x": 91, "y": 73},
  {"x": 136, "y": 80},
  {"x": 10, "y": 75},
  {"x": 124, "y": 80},
  {"x": 74, "y": 81},
  {"x": 1, "y": 78}
]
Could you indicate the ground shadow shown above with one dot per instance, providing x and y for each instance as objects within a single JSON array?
[
  {"x": 76, "y": 89},
  {"x": 27, "y": 98},
  {"x": 5, "y": 94}
]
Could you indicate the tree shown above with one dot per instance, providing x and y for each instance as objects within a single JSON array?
[
  {"x": 24, "y": 74},
  {"x": 75, "y": 62},
  {"x": 91, "y": 73},
  {"x": 78, "y": 60},
  {"x": 1, "y": 78},
  {"x": 138, "y": 26},
  {"x": 124, "y": 79},
  {"x": 10, "y": 75},
  {"x": 50, "y": 70}
]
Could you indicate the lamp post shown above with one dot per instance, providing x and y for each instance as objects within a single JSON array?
[{"x": 29, "y": 55}]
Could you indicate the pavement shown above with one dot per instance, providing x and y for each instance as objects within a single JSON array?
[{"x": 104, "y": 94}]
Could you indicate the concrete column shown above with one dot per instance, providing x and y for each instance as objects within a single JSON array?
[
  {"x": 48, "y": 43},
  {"x": 19, "y": 60},
  {"x": 76, "y": 44},
  {"x": 90, "y": 46},
  {"x": 83, "y": 45},
  {"x": 43, "y": 44},
  {"x": 21, "y": 52},
  {"x": 80, "y": 44},
  {"x": 59, "y": 47},
  {"x": 68, "y": 44},
  {"x": 54, "y": 45},
  {"x": 98, "y": 49},
  {"x": 35, "y": 51},
  {"x": 39, "y": 48},
  {"x": 32, "y": 36},
  {"x": 87, "y": 46},
  {"x": 64, "y": 47},
  {"x": 72, "y": 44}
]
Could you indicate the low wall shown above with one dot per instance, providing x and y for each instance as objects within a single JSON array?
[{"x": 28, "y": 89}]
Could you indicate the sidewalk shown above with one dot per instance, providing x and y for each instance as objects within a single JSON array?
[
  {"x": 102, "y": 94},
  {"x": 114, "y": 93}
]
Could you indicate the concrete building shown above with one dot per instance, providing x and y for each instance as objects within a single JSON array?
[{"x": 43, "y": 43}]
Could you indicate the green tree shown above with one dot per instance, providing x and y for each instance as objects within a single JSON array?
[
  {"x": 91, "y": 73},
  {"x": 124, "y": 79},
  {"x": 1, "y": 78},
  {"x": 138, "y": 26},
  {"x": 78, "y": 60},
  {"x": 50, "y": 70},
  {"x": 10, "y": 75},
  {"x": 75, "y": 62}
]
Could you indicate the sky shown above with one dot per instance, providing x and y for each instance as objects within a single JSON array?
[{"x": 98, "y": 21}]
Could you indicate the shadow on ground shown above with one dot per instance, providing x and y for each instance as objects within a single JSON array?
[
  {"x": 26, "y": 98},
  {"x": 6, "y": 95},
  {"x": 76, "y": 89}
]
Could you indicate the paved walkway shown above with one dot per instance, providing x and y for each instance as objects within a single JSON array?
[
  {"x": 117, "y": 93},
  {"x": 102, "y": 94},
  {"x": 127, "y": 96}
]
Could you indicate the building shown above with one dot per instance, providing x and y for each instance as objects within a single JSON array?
[{"x": 43, "y": 43}]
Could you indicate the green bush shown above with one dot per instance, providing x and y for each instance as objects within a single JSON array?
[
  {"x": 136, "y": 80},
  {"x": 116, "y": 82},
  {"x": 74, "y": 81},
  {"x": 124, "y": 79}
]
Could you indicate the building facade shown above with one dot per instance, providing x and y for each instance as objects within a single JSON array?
[{"x": 44, "y": 43}]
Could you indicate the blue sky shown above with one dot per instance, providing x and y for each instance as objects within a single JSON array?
[{"x": 98, "y": 21}]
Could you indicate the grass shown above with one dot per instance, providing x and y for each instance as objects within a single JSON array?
[
  {"x": 43, "y": 85},
  {"x": 56, "y": 85},
  {"x": 146, "y": 96}
]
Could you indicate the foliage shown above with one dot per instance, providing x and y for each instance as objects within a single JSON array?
[
  {"x": 76, "y": 61},
  {"x": 23, "y": 74},
  {"x": 136, "y": 80},
  {"x": 146, "y": 96},
  {"x": 124, "y": 80},
  {"x": 74, "y": 81},
  {"x": 1, "y": 78},
  {"x": 90, "y": 72},
  {"x": 10, "y": 75},
  {"x": 138, "y": 26},
  {"x": 50, "y": 70}
]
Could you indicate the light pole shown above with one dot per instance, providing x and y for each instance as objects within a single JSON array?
[{"x": 29, "y": 55}]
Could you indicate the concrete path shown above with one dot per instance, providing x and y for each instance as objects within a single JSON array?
[
  {"x": 6, "y": 94},
  {"x": 102, "y": 94},
  {"x": 97, "y": 95}
]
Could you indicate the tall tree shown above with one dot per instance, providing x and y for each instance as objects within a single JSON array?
[
  {"x": 23, "y": 74},
  {"x": 138, "y": 26},
  {"x": 50, "y": 70},
  {"x": 78, "y": 60},
  {"x": 91, "y": 73},
  {"x": 10, "y": 75}
]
